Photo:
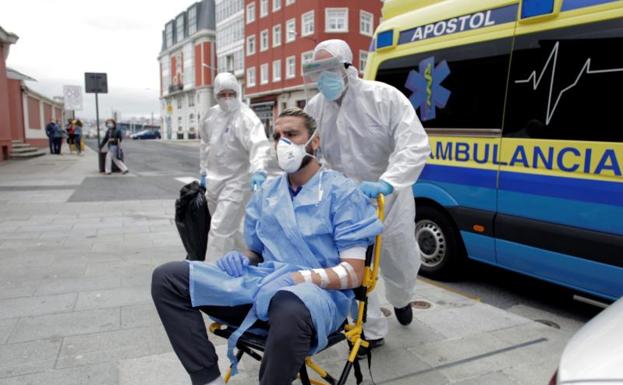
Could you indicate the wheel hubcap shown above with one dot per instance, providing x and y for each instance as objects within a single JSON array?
[{"x": 432, "y": 242}]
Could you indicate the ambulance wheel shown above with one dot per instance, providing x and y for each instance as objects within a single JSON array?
[{"x": 441, "y": 248}]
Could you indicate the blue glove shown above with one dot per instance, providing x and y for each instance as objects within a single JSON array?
[
  {"x": 233, "y": 263},
  {"x": 202, "y": 181},
  {"x": 268, "y": 290},
  {"x": 257, "y": 179},
  {"x": 373, "y": 189}
]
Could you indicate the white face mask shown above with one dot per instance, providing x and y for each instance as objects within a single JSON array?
[
  {"x": 228, "y": 104},
  {"x": 109, "y": 125},
  {"x": 290, "y": 155}
]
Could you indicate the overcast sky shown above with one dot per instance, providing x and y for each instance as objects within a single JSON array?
[{"x": 60, "y": 40}]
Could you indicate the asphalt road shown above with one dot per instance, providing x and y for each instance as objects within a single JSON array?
[{"x": 158, "y": 169}]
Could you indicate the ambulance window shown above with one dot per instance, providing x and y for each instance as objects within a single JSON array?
[
  {"x": 566, "y": 84},
  {"x": 456, "y": 88}
]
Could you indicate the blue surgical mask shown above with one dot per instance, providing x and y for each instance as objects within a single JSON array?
[{"x": 331, "y": 85}]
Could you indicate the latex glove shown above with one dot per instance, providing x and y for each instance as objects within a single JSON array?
[
  {"x": 373, "y": 189},
  {"x": 257, "y": 179},
  {"x": 267, "y": 290},
  {"x": 233, "y": 263},
  {"x": 202, "y": 181}
]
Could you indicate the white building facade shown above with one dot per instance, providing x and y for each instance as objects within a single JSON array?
[
  {"x": 187, "y": 69},
  {"x": 230, "y": 36}
]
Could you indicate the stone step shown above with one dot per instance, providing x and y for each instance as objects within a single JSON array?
[
  {"x": 24, "y": 150},
  {"x": 20, "y": 145},
  {"x": 27, "y": 155}
]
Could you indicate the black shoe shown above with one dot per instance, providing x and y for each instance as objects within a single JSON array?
[
  {"x": 363, "y": 352},
  {"x": 404, "y": 314}
]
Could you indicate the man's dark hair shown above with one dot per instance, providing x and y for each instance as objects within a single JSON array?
[{"x": 310, "y": 122}]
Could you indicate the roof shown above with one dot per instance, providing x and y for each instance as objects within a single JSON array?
[
  {"x": 16, "y": 75},
  {"x": 7, "y": 37}
]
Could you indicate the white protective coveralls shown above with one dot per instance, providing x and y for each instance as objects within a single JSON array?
[
  {"x": 375, "y": 134},
  {"x": 233, "y": 147}
]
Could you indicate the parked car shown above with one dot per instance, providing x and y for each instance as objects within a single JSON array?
[
  {"x": 594, "y": 355},
  {"x": 146, "y": 134}
]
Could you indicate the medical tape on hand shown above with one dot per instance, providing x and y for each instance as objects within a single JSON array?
[
  {"x": 342, "y": 274},
  {"x": 351, "y": 273},
  {"x": 307, "y": 276},
  {"x": 324, "y": 277}
]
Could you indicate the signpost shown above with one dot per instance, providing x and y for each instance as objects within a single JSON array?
[{"x": 96, "y": 83}]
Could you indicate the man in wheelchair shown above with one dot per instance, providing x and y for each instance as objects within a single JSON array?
[{"x": 307, "y": 232}]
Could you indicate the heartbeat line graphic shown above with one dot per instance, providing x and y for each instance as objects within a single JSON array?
[{"x": 553, "y": 56}]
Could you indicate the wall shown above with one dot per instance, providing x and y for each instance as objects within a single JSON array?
[{"x": 5, "y": 130}]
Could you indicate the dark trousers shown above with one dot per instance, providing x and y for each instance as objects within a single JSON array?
[
  {"x": 58, "y": 142},
  {"x": 51, "y": 143},
  {"x": 290, "y": 333}
]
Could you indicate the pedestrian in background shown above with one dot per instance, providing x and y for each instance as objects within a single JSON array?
[
  {"x": 57, "y": 140},
  {"x": 70, "y": 135},
  {"x": 49, "y": 132},
  {"x": 113, "y": 138},
  {"x": 78, "y": 136}
]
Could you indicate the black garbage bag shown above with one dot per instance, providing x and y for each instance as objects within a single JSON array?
[{"x": 192, "y": 219}]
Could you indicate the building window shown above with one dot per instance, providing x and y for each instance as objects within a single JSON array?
[
  {"x": 191, "y": 99},
  {"x": 251, "y": 45},
  {"x": 276, "y": 70},
  {"x": 307, "y": 23},
  {"x": 180, "y": 128},
  {"x": 290, "y": 67},
  {"x": 179, "y": 25},
  {"x": 250, "y": 13},
  {"x": 178, "y": 99},
  {"x": 336, "y": 20},
  {"x": 264, "y": 40},
  {"x": 363, "y": 60},
  {"x": 290, "y": 30},
  {"x": 192, "y": 20},
  {"x": 290, "y": 2},
  {"x": 251, "y": 77},
  {"x": 276, "y": 5},
  {"x": 276, "y": 36},
  {"x": 306, "y": 57},
  {"x": 263, "y": 8},
  {"x": 264, "y": 73},
  {"x": 366, "y": 23},
  {"x": 169, "y": 34}
]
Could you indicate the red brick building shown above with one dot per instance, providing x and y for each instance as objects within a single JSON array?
[
  {"x": 24, "y": 113},
  {"x": 6, "y": 39},
  {"x": 281, "y": 34}
]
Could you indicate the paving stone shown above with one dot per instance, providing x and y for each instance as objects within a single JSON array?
[
  {"x": 65, "y": 324},
  {"x": 113, "y": 298},
  {"x": 6, "y": 327},
  {"x": 28, "y": 357},
  {"x": 139, "y": 315},
  {"x": 30, "y": 306},
  {"x": 112, "y": 346},
  {"x": 71, "y": 285},
  {"x": 101, "y": 374}
]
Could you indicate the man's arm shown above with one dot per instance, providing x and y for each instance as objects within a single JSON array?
[
  {"x": 255, "y": 142},
  {"x": 411, "y": 143},
  {"x": 203, "y": 148}
]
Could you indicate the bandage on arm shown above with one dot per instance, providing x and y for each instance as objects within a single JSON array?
[{"x": 346, "y": 275}]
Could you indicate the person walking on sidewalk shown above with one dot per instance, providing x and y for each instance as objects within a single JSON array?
[
  {"x": 49, "y": 132},
  {"x": 113, "y": 138},
  {"x": 78, "y": 136},
  {"x": 70, "y": 135},
  {"x": 57, "y": 139}
]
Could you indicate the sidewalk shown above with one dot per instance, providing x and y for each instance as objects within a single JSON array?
[{"x": 75, "y": 305}]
